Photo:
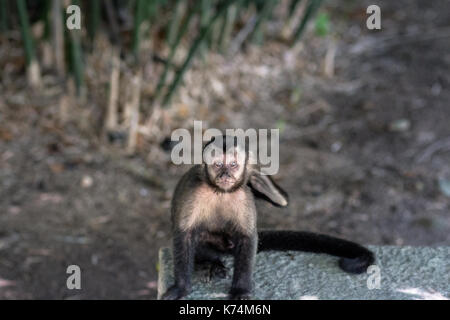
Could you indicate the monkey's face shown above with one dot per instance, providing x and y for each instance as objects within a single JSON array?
[
  {"x": 225, "y": 167},
  {"x": 225, "y": 171}
]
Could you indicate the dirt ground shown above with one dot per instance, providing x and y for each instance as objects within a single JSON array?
[{"x": 365, "y": 155}]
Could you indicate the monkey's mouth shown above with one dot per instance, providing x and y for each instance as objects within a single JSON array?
[{"x": 225, "y": 182}]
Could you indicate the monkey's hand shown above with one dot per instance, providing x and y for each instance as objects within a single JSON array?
[{"x": 175, "y": 293}]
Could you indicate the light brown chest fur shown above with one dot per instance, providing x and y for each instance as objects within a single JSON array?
[{"x": 213, "y": 210}]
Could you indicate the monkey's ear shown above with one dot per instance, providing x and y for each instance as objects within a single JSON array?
[{"x": 264, "y": 187}]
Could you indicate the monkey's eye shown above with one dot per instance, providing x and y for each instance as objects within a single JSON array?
[
  {"x": 233, "y": 164},
  {"x": 218, "y": 164}
]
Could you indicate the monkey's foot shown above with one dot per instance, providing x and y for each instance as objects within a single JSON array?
[
  {"x": 241, "y": 297},
  {"x": 175, "y": 293},
  {"x": 239, "y": 294}
]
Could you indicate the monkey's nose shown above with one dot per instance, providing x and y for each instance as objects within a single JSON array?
[{"x": 225, "y": 174}]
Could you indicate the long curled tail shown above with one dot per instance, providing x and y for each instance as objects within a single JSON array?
[{"x": 354, "y": 257}]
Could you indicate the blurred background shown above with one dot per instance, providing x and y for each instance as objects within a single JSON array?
[{"x": 86, "y": 117}]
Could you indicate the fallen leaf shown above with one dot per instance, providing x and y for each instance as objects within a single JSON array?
[
  {"x": 56, "y": 167},
  {"x": 5, "y": 135},
  {"x": 6, "y": 283},
  {"x": 152, "y": 284}
]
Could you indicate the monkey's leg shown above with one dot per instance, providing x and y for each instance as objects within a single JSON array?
[
  {"x": 211, "y": 257},
  {"x": 244, "y": 256},
  {"x": 184, "y": 244}
]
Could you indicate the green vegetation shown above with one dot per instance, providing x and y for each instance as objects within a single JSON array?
[{"x": 200, "y": 26}]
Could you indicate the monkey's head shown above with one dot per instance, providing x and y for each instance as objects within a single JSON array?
[
  {"x": 225, "y": 162},
  {"x": 227, "y": 168}
]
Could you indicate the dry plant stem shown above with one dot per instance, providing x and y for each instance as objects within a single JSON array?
[
  {"x": 296, "y": 17},
  {"x": 34, "y": 74},
  {"x": 111, "y": 116},
  {"x": 158, "y": 124},
  {"x": 134, "y": 112},
  {"x": 66, "y": 101},
  {"x": 33, "y": 68},
  {"x": 242, "y": 35},
  {"x": 63, "y": 108},
  {"x": 47, "y": 55},
  {"x": 58, "y": 37},
  {"x": 328, "y": 68}
]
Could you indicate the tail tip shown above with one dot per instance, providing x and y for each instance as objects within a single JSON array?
[{"x": 357, "y": 265}]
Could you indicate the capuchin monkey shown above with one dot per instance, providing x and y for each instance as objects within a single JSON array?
[{"x": 213, "y": 213}]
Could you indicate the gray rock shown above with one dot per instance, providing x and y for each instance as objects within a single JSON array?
[{"x": 405, "y": 273}]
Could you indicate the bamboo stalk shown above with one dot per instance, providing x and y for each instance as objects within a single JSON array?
[
  {"x": 180, "y": 7},
  {"x": 205, "y": 13},
  {"x": 183, "y": 30},
  {"x": 26, "y": 32},
  {"x": 77, "y": 60},
  {"x": 76, "y": 56},
  {"x": 33, "y": 69},
  {"x": 152, "y": 8},
  {"x": 294, "y": 16},
  {"x": 46, "y": 48},
  {"x": 58, "y": 38},
  {"x": 3, "y": 15},
  {"x": 221, "y": 28},
  {"x": 312, "y": 7},
  {"x": 227, "y": 27},
  {"x": 292, "y": 7},
  {"x": 45, "y": 17},
  {"x": 113, "y": 23},
  {"x": 138, "y": 19},
  {"x": 214, "y": 34},
  {"x": 265, "y": 11},
  {"x": 202, "y": 35},
  {"x": 93, "y": 18}
]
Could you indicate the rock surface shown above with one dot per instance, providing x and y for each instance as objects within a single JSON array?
[{"x": 405, "y": 273}]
